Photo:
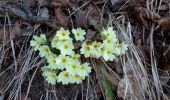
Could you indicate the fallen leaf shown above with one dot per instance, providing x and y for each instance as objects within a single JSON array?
[
  {"x": 164, "y": 22},
  {"x": 17, "y": 9},
  {"x": 141, "y": 14},
  {"x": 41, "y": 2},
  {"x": 61, "y": 16},
  {"x": 59, "y": 3},
  {"x": 29, "y": 3},
  {"x": 88, "y": 18},
  {"x": 44, "y": 13},
  {"x": 117, "y": 1},
  {"x": 16, "y": 30}
]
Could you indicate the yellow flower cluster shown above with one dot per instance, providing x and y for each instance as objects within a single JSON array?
[
  {"x": 109, "y": 49},
  {"x": 64, "y": 64}
]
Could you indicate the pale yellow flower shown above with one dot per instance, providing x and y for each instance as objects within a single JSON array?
[
  {"x": 79, "y": 34},
  {"x": 85, "y": 49},
  {"x": 95, "y": 49},
  {"x": 120, "y": 48},
  {"x": 51, "y": 78},
  {"x": 73, "y": 68},
  {"x": 64, "y": 61},
  {"x": 109, "y": 33},
  {"x": 54, "y": 42},
  {"x": 109, "y": 42},
  {"x": 38, "y": 41},
  {"x": 52, "y": 60},
  {"x": 66, "y": 48},
  {"x": 75, "y": 57},
  {"x": 64, "y": 77},
  {"x": 84, "y": 70},
  {"x": 108, "y": 54},
  {"x": 44, "y": 51},
  {"x": 49, "y": 75},
  {"x": 63, "y": 34},
  {"x": 75, "y": 79}
]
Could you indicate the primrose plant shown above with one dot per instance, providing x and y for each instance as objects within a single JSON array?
[{"x": 63, "y": 59}]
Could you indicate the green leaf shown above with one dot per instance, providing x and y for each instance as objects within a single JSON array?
[{"x": 108, "y": 91}]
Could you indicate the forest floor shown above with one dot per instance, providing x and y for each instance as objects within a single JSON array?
[{"x": 142, "y": 73}]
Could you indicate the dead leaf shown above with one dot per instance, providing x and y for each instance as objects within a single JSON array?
[
  {"x": 88, "y": 18},
  {"x": 17, "y": 9},
  {"x": 61, "y": 16},
  {"x": 59, "y": 3},
  {"x": 164, "y": 7},
  {"x": 164, "y": 22},
  {"x": 44, "y": 13},
  {"x": 29, "y": 3},
  {"x": 16, "y": 30},
  {"x": 41, "y": 2},
  {"x": 141, "y": 14},
  {"x": 117, "y": 1},
  {"x": 90, "y": 34}
]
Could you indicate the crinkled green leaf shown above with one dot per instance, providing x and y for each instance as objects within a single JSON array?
[{"x": 108, "y": 91}]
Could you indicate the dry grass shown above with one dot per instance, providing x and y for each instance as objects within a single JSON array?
[{"x": 140, "y": 80}]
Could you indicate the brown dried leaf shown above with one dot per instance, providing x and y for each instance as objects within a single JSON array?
[
  {"x": 17, "y": 9},
  {"x": 116, "y": 1},
  {"x": 16, "y": 30},
  {"x": 141, "y": 14},
  {"x": 164, "y": 7},
  {"x": 88, "y": 17},
  {"x": 44, "y": 13},
  {"x": 164, "y": 22},
  {"x": 29, "y": 3},
  {"x": 25, "y": 29},
  {"x": 62, "y": 18},
  {"x": 59, "y": 3},
  {"x": 90, "y": 34},
  {"x": 41, "y": 2}
]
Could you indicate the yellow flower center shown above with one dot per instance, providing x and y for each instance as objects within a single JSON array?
[
  {"x": 108, "y": 41},
  {"x": 76, "y": 76},
  {"x": 88, "y": 48},
  {"x": 74, "y": 58},
  {"x": 53, "y": 61},
  {"x": 95, "y": 46},
  {"x": 108, "y": 52},
  {"x": 78, "y": 34},
  {"x": 119, "y": 45},
  {"x": 74, "y": 67},
  {"x": 102, "y": 49},
  {"x": 66, "y": 47},
  {"x": 46, "y": 49},
  {"x": 64, "y": 60},
  {"x": 82, "y": 68},
  {"x": 66, "y": 75},
  {"x": 63, "y": 34},
  {"x": 107, "y": 34},
  {"x": 53, "y": 76}
]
